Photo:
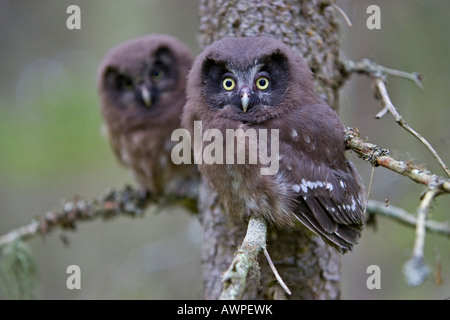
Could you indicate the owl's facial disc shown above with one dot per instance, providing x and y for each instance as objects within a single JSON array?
[
  {"x": 247, "y": 91},
  {"x": 243, "y": 87}
]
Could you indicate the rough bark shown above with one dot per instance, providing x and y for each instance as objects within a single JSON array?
[{"x": 310, "y": 268}]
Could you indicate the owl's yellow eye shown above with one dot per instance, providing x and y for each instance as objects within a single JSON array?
[
  {"x": 262, "y": 83},
  {"x": 228, "y": 84}
]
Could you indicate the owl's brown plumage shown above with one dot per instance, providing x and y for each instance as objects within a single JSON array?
[
  {"x": 142, "y": 90},
  {"x": 260, "y": 83}
]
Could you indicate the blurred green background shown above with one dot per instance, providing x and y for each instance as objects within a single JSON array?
[{"x": 51, "y": 146}]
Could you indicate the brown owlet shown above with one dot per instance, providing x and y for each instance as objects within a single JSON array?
[
  {"x": 142, "y": 91},
  {"x": 271, "y": 147}
]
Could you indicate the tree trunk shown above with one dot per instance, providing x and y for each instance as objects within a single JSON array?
[{"x": 309, "y": 267}]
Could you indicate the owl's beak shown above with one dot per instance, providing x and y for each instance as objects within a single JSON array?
[
  {"x": 146, "y": 96},
  {"x": 245, "y": 98}
]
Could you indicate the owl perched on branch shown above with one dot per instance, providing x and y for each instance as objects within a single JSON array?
[
  {"x": 260, "y": 85},
  {"x": 142, "y": 89}
]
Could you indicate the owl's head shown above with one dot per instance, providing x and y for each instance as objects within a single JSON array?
[
  {"x": 140, "y": 79},
  {"x": 250, "y": 79}
]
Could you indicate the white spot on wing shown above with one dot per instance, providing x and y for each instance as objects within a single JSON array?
[
  {"x": 353, "y": 204},
  {"x": 306, "y": 138},
  {"x": 305, "y": 185},
  {"x": 296, "y": 188},
  {"x": 294, "y": 135},
  {"x": 304, "y": 188}
]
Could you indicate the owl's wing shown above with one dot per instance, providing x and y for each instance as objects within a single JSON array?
[
  {"x": 330, "y": 206},
  {"x": 329, "y": 193}
]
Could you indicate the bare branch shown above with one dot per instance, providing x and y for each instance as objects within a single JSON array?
[
  {"x": 23, "y": 233},
  {"x": 235, "y": 278},
  {"x": 389, "y": 107},
  {"x": 370, "y": 68},
  {"x": 404, "y": 217},
  {"x": 127, "y": 201},
  {"x": 379, "y": 74},
  {"x": 422, "y": 214},
  {"x": 415, "y": 269},
  {"x": 378, "y": 156}
]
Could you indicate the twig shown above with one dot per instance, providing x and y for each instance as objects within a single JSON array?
[
  {"x": 402, "y": 216},
  {"x": 416, "y": 270},
  {"x": 370, "y": 68},
  {"x": 369, "y": 190},
  {"x": 275, "y": 272},
  {"x": 389, "y": 107},
  {"x": 378, "y": 156},
  {"x": 379, "y": 74},
  {"x": 23, "y": 233},
  {"x": 422, "y": 213},
  {"x": 235, "y": 278},
  {"x": 342, "y": 12}
]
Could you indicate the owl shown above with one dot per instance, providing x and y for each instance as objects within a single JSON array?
[
  {"x": 260, "y": 85},
  {"x": 141, "y": 84}
]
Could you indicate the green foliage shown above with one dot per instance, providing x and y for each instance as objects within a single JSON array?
[
  {"x": 50, "y": 136},
  {"x": 18, "y": 272}
]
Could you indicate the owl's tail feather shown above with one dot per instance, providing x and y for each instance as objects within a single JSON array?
[{"x": 342, "y": 237}]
